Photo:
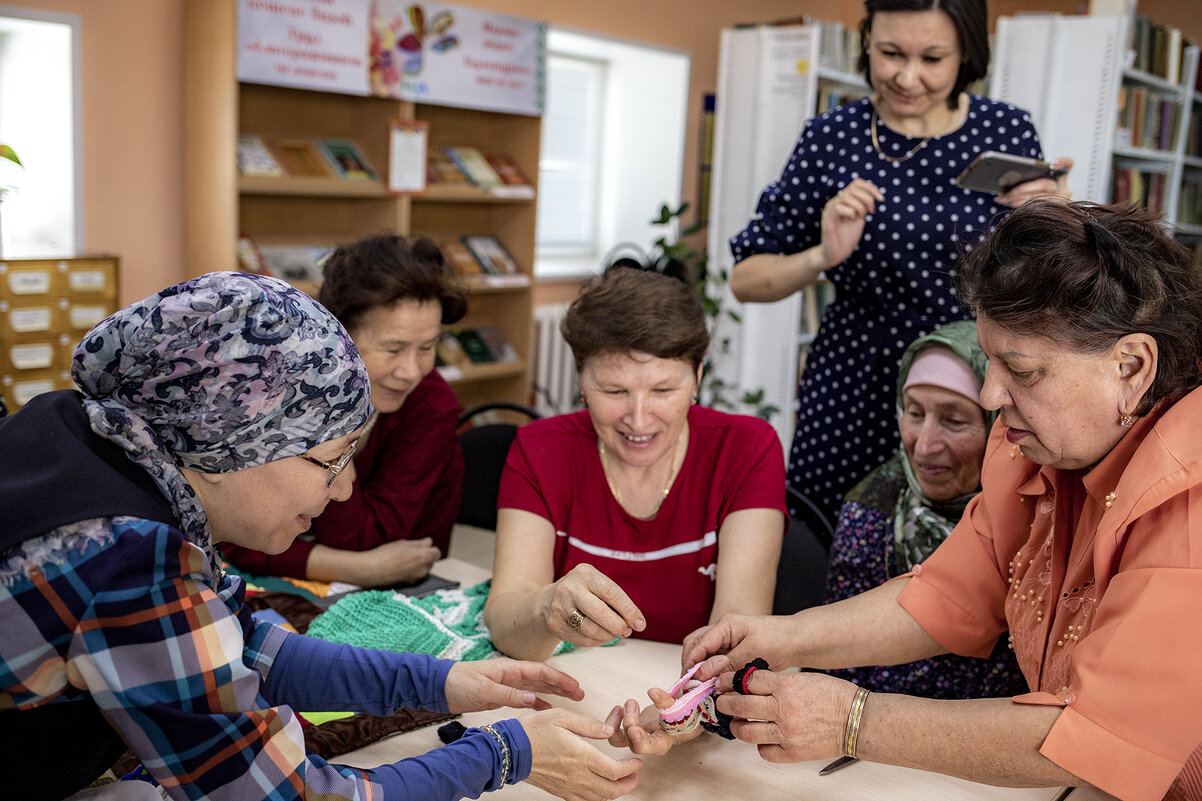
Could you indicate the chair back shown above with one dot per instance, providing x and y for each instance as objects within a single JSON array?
[
  {"x": 485, "y": 448},
  {"x": 804, "y": 554}
]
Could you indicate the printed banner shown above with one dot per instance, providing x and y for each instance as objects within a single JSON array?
[
  {"x": 306, "y": 44},
  {"x": 426, "y": 52}
]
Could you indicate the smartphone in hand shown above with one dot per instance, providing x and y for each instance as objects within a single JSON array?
[{"x": 996, "y": 172}]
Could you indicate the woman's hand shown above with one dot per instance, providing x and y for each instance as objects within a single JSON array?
[
  {"x": 843, "y": 219},
  {"x": 608, "y": 611},
  {"x": 490, "y": 683},
  {"x": 789, "y": 717},
  {"x": 639, "y": 730},
  {"x": 396, "y": 562},
  {"x": 567, "y": 766},
  {"x": 735, "y": 640},
  {"x": 1040, "y": 187}
]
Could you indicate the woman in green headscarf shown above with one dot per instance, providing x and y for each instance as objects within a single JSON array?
[{"x": 896, "y": 517}]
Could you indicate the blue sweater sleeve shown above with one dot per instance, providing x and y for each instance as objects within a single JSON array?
[{"x": 317, "y": 676}]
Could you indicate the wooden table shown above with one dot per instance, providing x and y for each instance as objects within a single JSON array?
[{"x": 705, "y": 768}]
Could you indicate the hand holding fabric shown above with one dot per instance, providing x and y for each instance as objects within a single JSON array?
[{"x": 639, "y": 730}]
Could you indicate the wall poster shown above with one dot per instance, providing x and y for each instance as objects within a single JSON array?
[{"x": 425, "y": 52}]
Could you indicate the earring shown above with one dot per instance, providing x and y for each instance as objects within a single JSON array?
[
  {"x": 582, "y": 400},
  {"x": 693, "y": 400},
  {"x": 1126, "y": 420}
]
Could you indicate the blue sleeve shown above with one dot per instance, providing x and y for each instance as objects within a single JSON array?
[
  {"x": 466, "y": 768},
  {"x": 313, "y": 675}
]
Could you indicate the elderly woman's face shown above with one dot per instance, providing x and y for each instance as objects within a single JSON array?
[
  {"x": 944, "y": 435},
  {"x": 1059, "y": 407},
  {"x": 268, "y": 506},
  {"x": 397, "y": 345},
  {"x": 638, "y": 403}
]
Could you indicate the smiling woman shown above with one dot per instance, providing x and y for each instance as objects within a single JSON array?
[
  {"x": 644, "y": 515},
  {"x": 900, "y": 513},
  {"x": 395, "y": 517}
]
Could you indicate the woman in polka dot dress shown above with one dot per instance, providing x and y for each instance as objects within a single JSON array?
[{"x": 869, "y": 198}]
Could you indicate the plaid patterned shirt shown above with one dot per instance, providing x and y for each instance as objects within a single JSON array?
[{"x": 125, "y": 611}]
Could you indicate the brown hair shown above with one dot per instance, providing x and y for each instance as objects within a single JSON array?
[
  {"x": 972, "y": 28},
  {"x": 627, "y": 309},
  {"x": 382, "y": 270},
  {"x": 1086, "y": 275}
]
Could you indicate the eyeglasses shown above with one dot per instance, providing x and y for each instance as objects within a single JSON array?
[{"x": 334, "y": 467}]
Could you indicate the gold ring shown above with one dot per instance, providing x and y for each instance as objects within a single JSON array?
[{"x": 575, "y": 619}]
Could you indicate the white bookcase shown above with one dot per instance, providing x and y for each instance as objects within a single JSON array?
[{"x": 769, "y": 81}]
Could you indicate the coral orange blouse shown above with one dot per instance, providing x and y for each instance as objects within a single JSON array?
[{"x": 1098, "y": 576}]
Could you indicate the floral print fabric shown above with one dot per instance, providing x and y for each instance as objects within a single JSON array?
[{"x": 219, "y": 373}]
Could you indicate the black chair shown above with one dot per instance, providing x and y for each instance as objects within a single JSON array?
[
  {"x": 804, "y": 555},
  {"x": 485, "y": 447}
]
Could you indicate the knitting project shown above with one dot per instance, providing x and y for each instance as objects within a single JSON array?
[{"x": 448, "y": 624}]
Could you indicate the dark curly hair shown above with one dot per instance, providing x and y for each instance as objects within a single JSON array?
[
  {"x": 629, "y": 309},
  {"x": 383, "y": 270},
  {"x": 972, "y": 27},
  {"x": 1086, "y": 275}
]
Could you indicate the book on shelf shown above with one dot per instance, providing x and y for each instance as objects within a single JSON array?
[
  {"x": 474, "y": 346},
  {"x": 249, "y": 257},
  {"x": 407, "y": 145},
  {"x": 493, "y": 258},
  {"x": 448, "y": 352},
  {"x": 471, "y": 162},
  {"x": 295, "y": 262},
  {"x": 514, "y": 182},
  {"x": 255, "y": 159},
  {"x": 460, "y": 259},
  {"x": 498, "y": 346},
  {"x": 441, "y": 170},
  {"x": 300, "y": 158},
  {"x": 346, "y": 159}
]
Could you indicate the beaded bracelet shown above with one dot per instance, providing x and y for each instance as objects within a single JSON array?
[
  {"x": 853, "y": 722},
  {"x": 506, "y": 763}
]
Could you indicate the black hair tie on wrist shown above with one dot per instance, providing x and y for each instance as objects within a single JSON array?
[{"x": 744, "y": 673}]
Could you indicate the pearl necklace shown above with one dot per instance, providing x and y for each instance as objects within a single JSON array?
[
  {"x": 876, "y": 143},
  {"x": 676, "y": 464}
]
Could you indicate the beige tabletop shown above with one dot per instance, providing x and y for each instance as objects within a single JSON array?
[{"x": 705, "y": 768}]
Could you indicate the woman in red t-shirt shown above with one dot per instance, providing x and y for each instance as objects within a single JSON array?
[
  {"x": 643, "y": 515},
  {"x": 392, "y": 295}
]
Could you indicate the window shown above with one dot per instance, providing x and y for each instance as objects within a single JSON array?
[
  {"x": 612, "y": 149},
  {"x": 38, "y": 100}
]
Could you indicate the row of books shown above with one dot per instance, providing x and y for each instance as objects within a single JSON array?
[
  {"x": 479, "y": 258},
  {"x": 1147, "y": 189},
  {"x": 1157, "y": 49},
  {"x": 1189, "y": 204},
  {"x": 1146, "y": 119},
  {"x": 1193, "y": 136},
  {"x": 460, "y": 347},
  {"x": 458, "y": 165},
  {"x": 298, "y": 157},
  {"x": 838, "y": 46}
]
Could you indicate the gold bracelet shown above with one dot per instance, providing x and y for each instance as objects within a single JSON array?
[{"x": 853, "y": 722}]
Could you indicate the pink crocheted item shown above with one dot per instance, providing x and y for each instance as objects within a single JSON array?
[{"x": 685, "y": 715}]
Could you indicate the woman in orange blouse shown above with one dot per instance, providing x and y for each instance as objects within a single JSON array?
[{"x": 1085, "y": 542}]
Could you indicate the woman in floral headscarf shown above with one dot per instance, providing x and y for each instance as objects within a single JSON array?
[
  {"x": 223, "y": 409},
  {"x": 896, "y": 517}
]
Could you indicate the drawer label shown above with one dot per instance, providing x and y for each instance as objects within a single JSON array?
[
  {"x": 23, "y": 391},
  {"x": 37, "y": 318},
  {"x": 29, "y": 282},
  {"x": 84, "y": 317},
  {"x": 31, "y": 357},
  {"x": 88, "y": 280}
]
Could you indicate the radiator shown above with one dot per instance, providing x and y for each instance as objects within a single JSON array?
[{"x": 555, "y": 387}]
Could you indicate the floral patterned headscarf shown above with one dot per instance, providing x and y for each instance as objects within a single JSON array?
[{"x": 220, "y": 373}]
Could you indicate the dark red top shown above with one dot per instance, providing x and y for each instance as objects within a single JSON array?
[
  {"x": 667, "y": 565},
  {"x": 408, "y": 480}
]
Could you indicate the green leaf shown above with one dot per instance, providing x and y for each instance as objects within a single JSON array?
[{"x": 7, "y": 152}]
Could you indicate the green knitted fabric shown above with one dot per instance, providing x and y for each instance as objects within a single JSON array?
[{"x": 448, "y": 624}]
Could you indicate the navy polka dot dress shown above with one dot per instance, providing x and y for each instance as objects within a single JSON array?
[{"x": 895, "y": 286}]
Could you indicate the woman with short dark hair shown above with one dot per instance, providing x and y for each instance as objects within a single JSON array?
[
  {"x": 643, "y": 515},
  {"x": 393, "y": 294},
  {"x": 1084, "y": 542},
  {"x": 868, "y": 199}
]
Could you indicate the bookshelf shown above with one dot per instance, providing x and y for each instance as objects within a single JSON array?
[
  {"x": 1129, "y": 117},
  {"x": 771, "y": 79},
  {"x": 223, "y": 205}
]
